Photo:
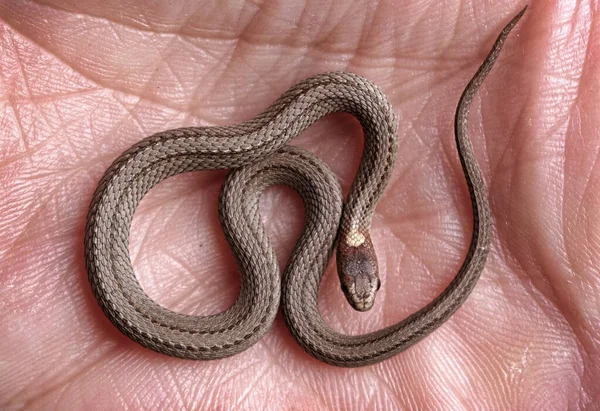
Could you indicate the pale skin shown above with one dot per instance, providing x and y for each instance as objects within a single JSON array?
[{"x": 83, "y": 80}]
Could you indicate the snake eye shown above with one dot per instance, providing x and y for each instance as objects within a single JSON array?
[
  {"x": 378, "y": 284},
  {"x": 344, "y": 288}
]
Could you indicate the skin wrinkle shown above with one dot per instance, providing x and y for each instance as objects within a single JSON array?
[
  {"x": 452, "y": 395},
  {"x": 132, "y": 115},
  {"x": 468, "y": 391},
  {"x": 453, "y": 251},
  {"x": 116, "y": 390},
  {"x": 387, "y": 388},
  {"x": 160, "y": 401},
  {"x": 369, "y": 40},
  {"x": 592, "y": 235},
  {"x": 252, "y": 384},
  {"x": 417, "y": 256},
  {"x": 28, "y": 92},
  {"x": 40, "y": 203},
  {"x": 562, "y": 304},
  {"x": 482, "y": 369},
  {"x": 274, "y": 360},
  {"x": 392, "y": 376},
  {"x": 333, "y": 20},
  {"x": 417, "y": 79},
  {"x": 140, "y": 27},
  {"x": 473, "y": 320},
  {"x": 201, "y": 89},
  {"x": 575, "y": 103},
  {"x": 17, "y": 117},
  {"x": 28, "y": 149},
  {"x": 556, "y": 298},
  {"x": 296, "y": 25},
  {"x": 321, "y": 38},
  {"x": 68, "y": 401},
  {"x": 169, "y": 68},
  {"x": 353, "y": 51},
  {"x": 586, "y": 190},
  {"x": 97, "y": 82},
  {"x": 179, "y": 397},
  {"x": 230, "y": 55},
  {"x": 256, "y": 377},
  {"x": 452, "y": 36},
  {"x": 63, "y": 384},
  {"x": 428, "y": 388}
]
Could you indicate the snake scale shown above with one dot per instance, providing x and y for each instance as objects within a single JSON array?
[{"x": 258, "y": 153}]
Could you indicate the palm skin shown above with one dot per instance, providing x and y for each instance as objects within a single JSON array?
[{"x": 82, "y": 80}]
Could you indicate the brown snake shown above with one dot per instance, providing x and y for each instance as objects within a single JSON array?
[{"x": 258, "y": 153}]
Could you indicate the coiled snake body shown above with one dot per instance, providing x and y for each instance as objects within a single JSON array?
[{"x": 258, "y": 153}]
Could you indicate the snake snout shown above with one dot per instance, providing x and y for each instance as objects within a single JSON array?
[
  {"x": 361, "y": 291},
  {"x": 358, "y": 272}
]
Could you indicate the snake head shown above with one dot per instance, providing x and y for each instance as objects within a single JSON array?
[{"x": 358, "y": 271}]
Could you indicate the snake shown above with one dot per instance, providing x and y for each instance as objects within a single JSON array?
[{"x": 258, "y": 154}]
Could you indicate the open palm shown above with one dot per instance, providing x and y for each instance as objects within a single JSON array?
[{"x": 81, "y": 81}]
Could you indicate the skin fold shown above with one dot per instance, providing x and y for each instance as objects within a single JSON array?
[{"x": 81, "y": 81}]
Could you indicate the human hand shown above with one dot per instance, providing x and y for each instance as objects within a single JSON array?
[{"x": 81, "y": 82}]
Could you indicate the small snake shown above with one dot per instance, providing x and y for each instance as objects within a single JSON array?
[{"x": 258, "y": 153}]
